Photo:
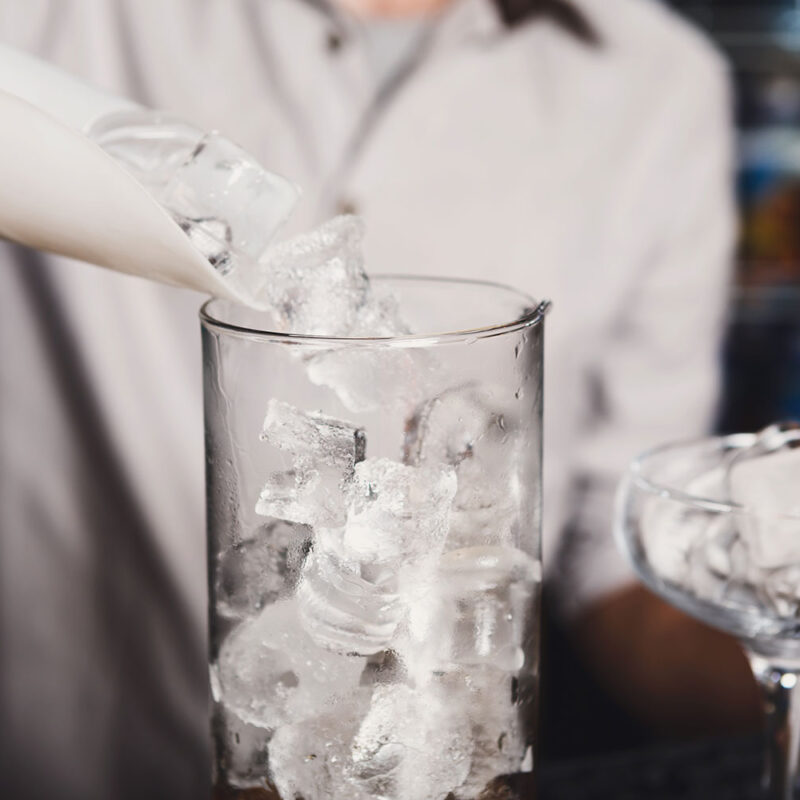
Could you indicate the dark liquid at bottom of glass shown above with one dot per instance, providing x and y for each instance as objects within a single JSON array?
[
  {"x": 228, "y": 793},
  {"x": 508, "y": 787}
]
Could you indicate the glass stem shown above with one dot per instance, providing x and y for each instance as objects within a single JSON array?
[{"x": 782, "y": 704}]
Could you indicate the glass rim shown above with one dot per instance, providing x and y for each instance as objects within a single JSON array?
[
  {"x": 735, "y": 441},
  {"x": 533, "y": 315}
]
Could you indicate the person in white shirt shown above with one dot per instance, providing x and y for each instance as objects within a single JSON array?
[{"x": 580, "y": 151}]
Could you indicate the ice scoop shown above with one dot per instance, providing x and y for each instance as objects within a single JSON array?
[{"x": 61, "y": 192}]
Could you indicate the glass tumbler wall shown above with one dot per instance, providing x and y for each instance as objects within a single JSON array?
[{"x": 374, "y": 548}]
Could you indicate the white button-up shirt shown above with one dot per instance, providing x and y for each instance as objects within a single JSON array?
[{"x": 599, "y": 177}]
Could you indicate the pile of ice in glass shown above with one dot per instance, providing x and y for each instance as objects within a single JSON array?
[
  {"x": 377, "y": 643},
  {"x": 747, "y": 559},
  {"x": 378, "y": 617}
]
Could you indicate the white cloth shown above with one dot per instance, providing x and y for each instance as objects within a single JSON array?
[{"x": 597, "y": 177}]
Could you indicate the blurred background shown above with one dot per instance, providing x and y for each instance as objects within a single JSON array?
[{"x": 761, "y": 354}]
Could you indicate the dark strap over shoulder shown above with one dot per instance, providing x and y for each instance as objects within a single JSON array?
[{"x": 562, "y": 12}]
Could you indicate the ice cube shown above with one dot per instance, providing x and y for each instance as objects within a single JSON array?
[
  {"x": 374, "y": 377},
  {"x": 488, "y": 513},
  {"x": 421, "y": 636},
  {"x": 150, "y": 145},
  {"x": 379, "y": 316},
  {"x": 383, "y": 667},
  {"x": 292, "y": 495},
  {"x": 487, "y": 596},
  {"x": 716, "y": 558},
  {"x": 447, "y": 428},
  {"x": 465, "y": 427},
  {"x": 212, "y": 237},
  {"x": 341, "y": 610},
  {"x": 671, "y": 529},
  {"x": 411, "y": 744},
  {"x": 497, "y": 730},
  {"x": 269, "y": 672},
  {"x": 358, "y": 581},
  {"x": 398, "y": 514},
  {"x": 259, "y": 570},
  {"x": 221, "y": 182},
  {"x": 315, "y": 284},
  {"x": 309, "y": 759},
  {"x": 242, "y": 749},
  {"x": 668, "y": 534},
  {"x": 764, "y": 479},
  {"x": 324, "y": 451},
  {"x": 313, "y": 438},
  {"x": 781, "y": 589}
]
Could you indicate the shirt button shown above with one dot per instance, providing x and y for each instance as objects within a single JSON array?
[
  {"x": 346, "y": 206},
  {"x": 334, "y": 41}
]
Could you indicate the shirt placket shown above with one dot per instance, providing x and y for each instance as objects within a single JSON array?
[
  {"x": 324, "y": 83},
  {"x": 461, "y": 21},
  {"x": 330, "y": 90}
]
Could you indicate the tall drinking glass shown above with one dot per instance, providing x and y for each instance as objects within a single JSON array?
[
  {"x": 732, "y": 566},
  {"x": 374, "y": 548}
]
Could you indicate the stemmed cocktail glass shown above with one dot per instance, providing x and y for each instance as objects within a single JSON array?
[{"x": 732, "y": 564}]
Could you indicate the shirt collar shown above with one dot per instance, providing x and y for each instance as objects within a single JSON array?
[
  {"x": 471, "y": 19},
  {"x": 459, "y": 19}
]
